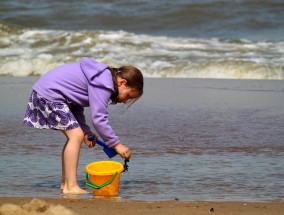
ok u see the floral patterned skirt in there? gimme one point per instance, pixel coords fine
(45, 114)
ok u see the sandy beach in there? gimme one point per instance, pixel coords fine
(102, 207)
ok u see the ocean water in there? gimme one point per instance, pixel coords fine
(194, 136)
(239, 39)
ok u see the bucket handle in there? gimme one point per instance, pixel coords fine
(98, 186)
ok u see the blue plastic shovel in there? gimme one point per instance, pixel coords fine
(110, 152)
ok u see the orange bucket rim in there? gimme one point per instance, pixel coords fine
(118, 168)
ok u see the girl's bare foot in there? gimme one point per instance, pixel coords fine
(74, 190)
(62, 186)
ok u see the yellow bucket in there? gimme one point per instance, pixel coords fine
(104, 177)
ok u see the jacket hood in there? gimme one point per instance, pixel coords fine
(96, 73)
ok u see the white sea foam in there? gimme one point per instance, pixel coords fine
(34, 52)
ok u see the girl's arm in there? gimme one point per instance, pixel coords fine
(98, 100)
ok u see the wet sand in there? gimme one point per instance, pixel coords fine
(212, 93)
(102, 207)
(203, 93)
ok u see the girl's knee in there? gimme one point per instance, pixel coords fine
(74, 135)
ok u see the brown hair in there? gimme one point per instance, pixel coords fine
(132, 75)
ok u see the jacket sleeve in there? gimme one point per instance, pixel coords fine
(78, 112)
(98, 100)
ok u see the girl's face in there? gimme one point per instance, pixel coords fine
(125, 93)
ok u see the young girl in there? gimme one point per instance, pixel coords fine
(58, 100)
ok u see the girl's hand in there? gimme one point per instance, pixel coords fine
(123, 151)
(88, 142)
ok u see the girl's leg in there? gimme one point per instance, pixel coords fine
(63, 166)
(70, 155)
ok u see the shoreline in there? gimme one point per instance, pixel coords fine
(98, 206)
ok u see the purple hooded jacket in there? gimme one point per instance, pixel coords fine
(84, 84)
